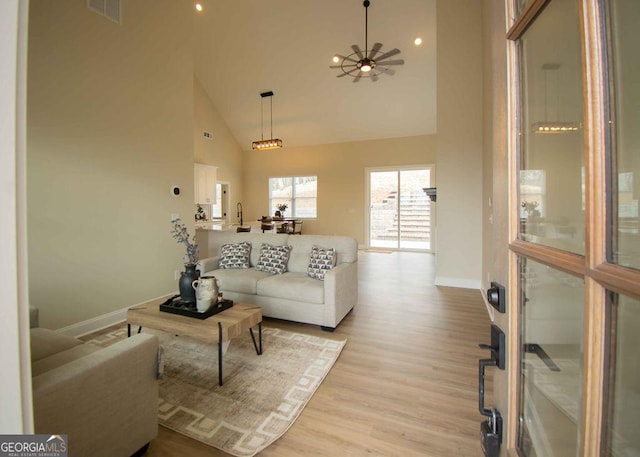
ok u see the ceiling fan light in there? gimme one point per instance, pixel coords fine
(361, 63)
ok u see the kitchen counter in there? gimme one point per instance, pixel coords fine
(215, 226)
(208, 231)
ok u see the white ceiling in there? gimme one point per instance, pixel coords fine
(245, 47)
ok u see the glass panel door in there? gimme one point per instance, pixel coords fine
(552, 165)
(625, 177)
(414, 207)
(551, 310)
(576, 293)
(400, 212)
(623, 437)
(383, 209)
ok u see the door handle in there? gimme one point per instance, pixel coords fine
(497, 348)
(482, 364)
(491, 429)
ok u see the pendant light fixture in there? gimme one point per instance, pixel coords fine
(552, 126)
(272, 143)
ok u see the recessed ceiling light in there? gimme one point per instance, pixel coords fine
(199, 6)
(336, 59)
(417, 41)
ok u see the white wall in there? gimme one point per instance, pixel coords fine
(459, 143)
(222, 150)
(340, 168)
(110, 130)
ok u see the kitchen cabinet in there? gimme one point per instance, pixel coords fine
(204, 187)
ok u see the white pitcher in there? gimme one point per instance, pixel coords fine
(206, 288)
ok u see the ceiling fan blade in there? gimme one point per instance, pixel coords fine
(347, 73)
(393, 52)
(392, 62)
(357, 78)
(374, 78)
(358, 52)
(390, 71)
(374, 50)
(342, 66)
(341, 57)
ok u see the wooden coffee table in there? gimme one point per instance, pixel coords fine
(218, 329)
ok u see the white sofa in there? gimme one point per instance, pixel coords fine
(292, 295)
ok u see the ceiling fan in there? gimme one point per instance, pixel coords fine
(368, 63)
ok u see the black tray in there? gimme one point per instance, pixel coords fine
(175, 305)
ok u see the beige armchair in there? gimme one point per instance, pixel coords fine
(104, 399)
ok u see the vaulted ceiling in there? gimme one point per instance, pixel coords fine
(245, 47)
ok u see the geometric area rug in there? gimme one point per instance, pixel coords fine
(261, 397)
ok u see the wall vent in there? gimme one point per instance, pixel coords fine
(107, 8)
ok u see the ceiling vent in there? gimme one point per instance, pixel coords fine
(107, 8)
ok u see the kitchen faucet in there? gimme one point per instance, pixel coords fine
(239, 210)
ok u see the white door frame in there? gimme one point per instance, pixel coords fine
(15, 378)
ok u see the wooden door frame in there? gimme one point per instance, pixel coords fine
(599, 275)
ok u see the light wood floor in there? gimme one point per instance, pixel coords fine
(406, 384)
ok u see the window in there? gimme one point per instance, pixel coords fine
(299, 193)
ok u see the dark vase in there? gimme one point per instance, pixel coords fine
(190, 274)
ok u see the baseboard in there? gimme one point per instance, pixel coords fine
(100, 322)
(458, 282)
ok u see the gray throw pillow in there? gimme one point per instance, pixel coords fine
(273, 259)
(320, 261)
(235, 255)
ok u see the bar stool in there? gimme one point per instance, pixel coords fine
(297, 228)
(264, 226)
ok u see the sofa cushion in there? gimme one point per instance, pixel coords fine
(45, 342)
(320, 261)
(238, 280)
(273, 259)
(255, 238)
(62, 358)
(235, 255)
(346, 250)
(292, 286)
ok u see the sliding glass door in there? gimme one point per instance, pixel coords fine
(400, 212)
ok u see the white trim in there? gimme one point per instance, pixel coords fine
(15, 377)
(458, 282)
(100, 322)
